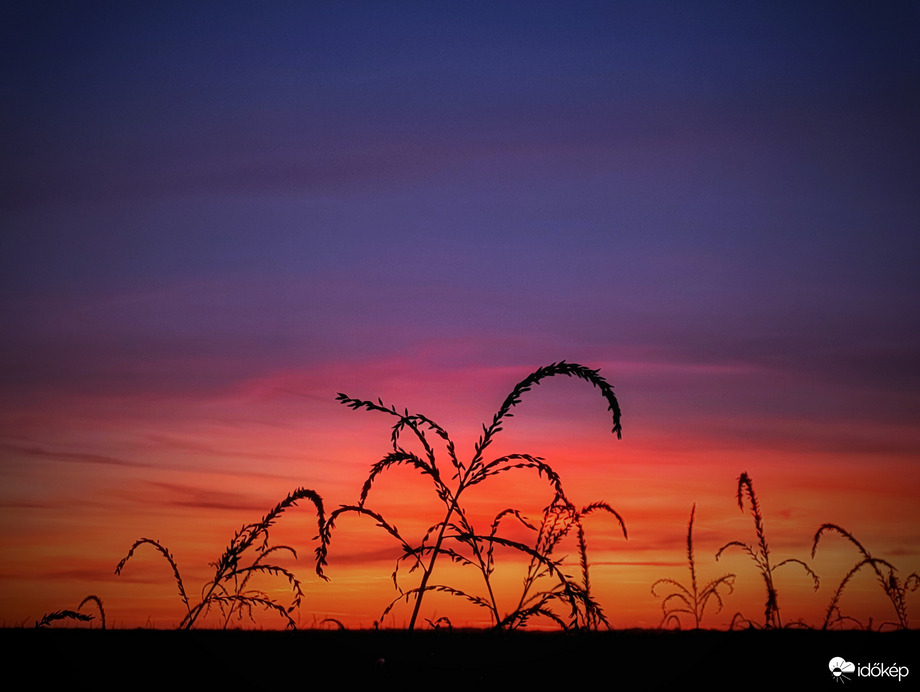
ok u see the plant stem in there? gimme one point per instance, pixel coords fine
(452, 507)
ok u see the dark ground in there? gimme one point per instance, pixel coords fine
(624, 659)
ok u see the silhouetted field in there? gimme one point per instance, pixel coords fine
(754, 652)
(625, 659)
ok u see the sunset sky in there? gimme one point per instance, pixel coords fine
(216, 216)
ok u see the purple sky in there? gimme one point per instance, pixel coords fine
(278, 186)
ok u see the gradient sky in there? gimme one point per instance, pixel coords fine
(217, 215)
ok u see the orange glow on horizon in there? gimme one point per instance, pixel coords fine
(191, 480)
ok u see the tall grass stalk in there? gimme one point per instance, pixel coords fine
(761, 555)
(693, 600)
(48, 618)
(560, 519)
(894, 588)
(454, 536)
(228, 590)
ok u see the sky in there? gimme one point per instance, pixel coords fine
(217, 216)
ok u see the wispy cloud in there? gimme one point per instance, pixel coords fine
(35, 451)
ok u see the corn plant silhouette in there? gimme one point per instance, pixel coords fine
(454, 536)
(693, 600)
(761, 556)
(229, 590)
(894, 588)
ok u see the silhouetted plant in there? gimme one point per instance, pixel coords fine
(691, 601)
(894, 588)
(761, 556)
(455, 538)
(229, 589)
(559, 518)
(48, 618)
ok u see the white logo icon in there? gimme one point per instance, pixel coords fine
(839, 666)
